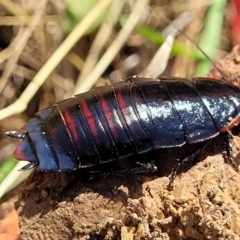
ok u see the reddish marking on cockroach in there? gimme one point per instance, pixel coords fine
(88, 114)
(72, 125)
(108, 113)
(121, 102)
(123, 106)
(90, 118)
(126, 110)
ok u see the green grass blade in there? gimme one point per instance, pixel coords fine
(211, 35)
(6, 167)
(177, 48)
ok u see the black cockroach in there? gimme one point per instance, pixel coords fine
(126, 118)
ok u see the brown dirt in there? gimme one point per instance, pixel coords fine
(9, 229)
(204, 204)
(229, 66)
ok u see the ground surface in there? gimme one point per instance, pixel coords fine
(204, 203)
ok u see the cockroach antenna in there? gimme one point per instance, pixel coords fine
(224, 77)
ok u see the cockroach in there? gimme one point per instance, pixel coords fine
(129, 117)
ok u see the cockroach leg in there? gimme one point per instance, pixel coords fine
(185, 162)
(142, 168)
(229, 152)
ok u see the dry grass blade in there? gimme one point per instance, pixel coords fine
(100, 40)
(160, 59)
(26, 20)
(137, 11)
(13, 8)
(21, 103)
(21, 43)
